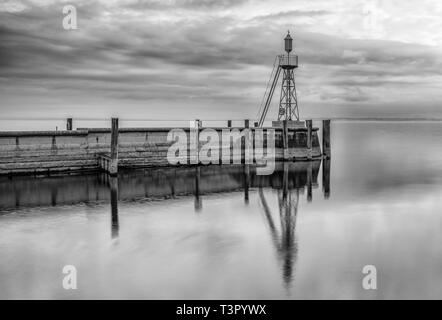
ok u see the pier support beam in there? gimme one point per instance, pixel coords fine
(69, 124)
(326, 149)
(309, 124)
(113, 166)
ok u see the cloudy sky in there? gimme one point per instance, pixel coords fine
(186, 59)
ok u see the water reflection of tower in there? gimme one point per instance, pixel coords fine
(288, 210)
(291, 184)
(284, 238)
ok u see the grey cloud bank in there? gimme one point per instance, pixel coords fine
(208, 59)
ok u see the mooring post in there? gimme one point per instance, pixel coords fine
(195, 142)
(285, 139)
(247, 123)
(199, 124)
(113, 166)
(256, 125)
(309, 124)
(326, 149)
(229, 123)
(69, 124)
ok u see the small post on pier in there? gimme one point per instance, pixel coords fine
(229, 123)
(194, 141)
(256, 124)
(326, 149)
(69, 124)
(285, 139)
(113, 166)
(198, 125)
(247, 123)
(309, 124)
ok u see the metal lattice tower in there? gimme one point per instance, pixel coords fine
(288, 102)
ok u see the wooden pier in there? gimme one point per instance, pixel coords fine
(107, 149)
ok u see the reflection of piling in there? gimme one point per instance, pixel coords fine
(113, 182)
(326, 177)
(285, 139)
(309, 182)
(309, 124)
(113, 167)
(285, 181)
(246, 183)
(326, 149)
(69, 124)
(198, 203)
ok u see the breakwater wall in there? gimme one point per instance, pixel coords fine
(49, 152)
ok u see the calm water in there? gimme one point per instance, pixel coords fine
(223, 232)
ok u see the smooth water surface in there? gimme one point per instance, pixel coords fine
(221, 232)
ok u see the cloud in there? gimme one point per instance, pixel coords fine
(208, 54)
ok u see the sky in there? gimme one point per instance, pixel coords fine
(188, 59)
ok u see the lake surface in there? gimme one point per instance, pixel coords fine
(222, 232)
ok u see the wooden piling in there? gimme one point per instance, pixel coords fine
(247, 143)
(113, 166)
(69, 124)
(309, 124)
(326, 148)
